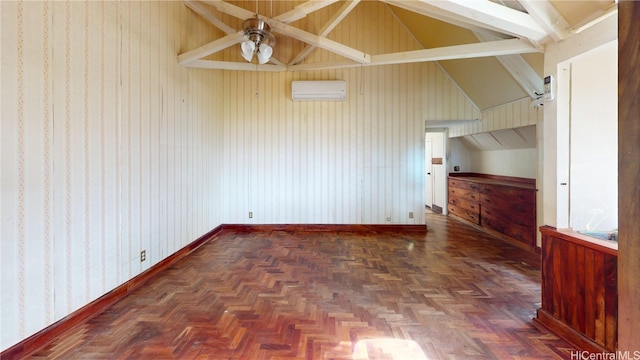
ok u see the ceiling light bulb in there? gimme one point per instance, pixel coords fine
(247, 49)
(264, 53)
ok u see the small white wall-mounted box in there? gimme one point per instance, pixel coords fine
(549, 92)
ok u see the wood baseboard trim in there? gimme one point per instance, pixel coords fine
(42, 338)
(328, 227)
(564, 331)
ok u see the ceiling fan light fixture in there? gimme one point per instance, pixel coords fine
(258, 39)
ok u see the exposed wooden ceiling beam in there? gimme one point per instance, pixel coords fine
(432, 12)
(321, 42)
(303, 10)
(230, 9)
(326, 29)
(484, 49)
(216, 45)
(209, 16)
(294, 32)
(491, 48)
(297, 13)
(273, 60)
(210, 48)
(594, 19)
(326, 65)
(494, 15)
(523, 74)
(232, 65)
(528, 79)
(338, 17)
(477, 16)
(355, 57)
(548, 17)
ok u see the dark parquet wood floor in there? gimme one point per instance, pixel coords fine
(454, 293)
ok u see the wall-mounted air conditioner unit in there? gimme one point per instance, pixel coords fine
(333, 90)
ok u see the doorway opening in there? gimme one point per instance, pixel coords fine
(435, 169)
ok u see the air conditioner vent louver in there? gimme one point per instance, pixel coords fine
(331, 90)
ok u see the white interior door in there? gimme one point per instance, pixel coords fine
(428, 150)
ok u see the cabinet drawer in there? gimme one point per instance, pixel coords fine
(496, 192)
(525, 234)
(517, 218)
(462, 193)
(465, 204)
(522, 213)
(471, 216)
(463, 184)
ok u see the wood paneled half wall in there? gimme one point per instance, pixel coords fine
(579, 289)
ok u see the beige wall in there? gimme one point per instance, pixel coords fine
(108, 148)
(359, 161)
(512, 162)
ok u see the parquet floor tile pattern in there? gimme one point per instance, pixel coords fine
(452, 293)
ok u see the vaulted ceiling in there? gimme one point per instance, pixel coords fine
(493, 50)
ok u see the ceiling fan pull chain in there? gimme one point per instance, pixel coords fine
(257, 83)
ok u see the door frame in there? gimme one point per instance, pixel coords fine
(440, 190)
(428, 151)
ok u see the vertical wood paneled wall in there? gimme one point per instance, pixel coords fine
(109, 147)
(512, 115)
(579, 290)
(359, 161)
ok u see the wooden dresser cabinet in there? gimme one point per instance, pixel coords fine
(504, 206)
